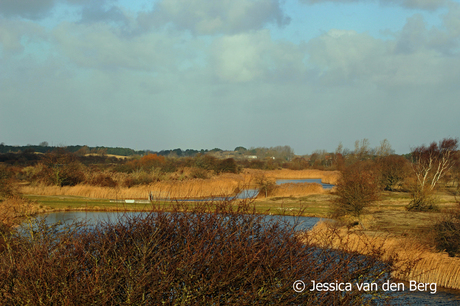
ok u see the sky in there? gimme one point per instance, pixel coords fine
(204, 74)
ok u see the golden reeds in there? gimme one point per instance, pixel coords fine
(196, 188)
(414, 262)
(13, 209)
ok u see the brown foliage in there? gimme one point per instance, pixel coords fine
(356, 189)
(212, 255)
(393, 170)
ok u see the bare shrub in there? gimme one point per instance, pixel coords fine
(213, 254)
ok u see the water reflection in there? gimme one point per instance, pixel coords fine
(325, 186)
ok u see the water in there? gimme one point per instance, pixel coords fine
(93, 217)
(441, 297)
(325, 186)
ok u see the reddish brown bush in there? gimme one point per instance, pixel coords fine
(357, 188)
(215, 254)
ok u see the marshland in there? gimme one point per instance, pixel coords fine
(401, 212)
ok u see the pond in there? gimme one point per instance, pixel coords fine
(441, 297)
(92, 217)
(319, 181)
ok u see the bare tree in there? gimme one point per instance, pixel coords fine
(384, 149)
(430, 164)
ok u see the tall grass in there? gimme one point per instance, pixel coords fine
(196, 188)
(14, 209)
(413, 261)
(328, 177)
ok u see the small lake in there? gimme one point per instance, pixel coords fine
(92, 217)
(318, 181)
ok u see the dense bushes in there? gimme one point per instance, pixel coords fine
(214, 254)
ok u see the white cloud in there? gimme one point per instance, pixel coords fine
(212, 17)
(255, 56)
(411, 59)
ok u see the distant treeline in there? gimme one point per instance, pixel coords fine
(100, 150)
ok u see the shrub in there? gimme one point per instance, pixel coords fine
(103, 180)
(226, 166)
(447, 233)
(357, 188)
(7, 187)
(393, 170)
(213, 254)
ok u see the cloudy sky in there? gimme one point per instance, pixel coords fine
(200, 74)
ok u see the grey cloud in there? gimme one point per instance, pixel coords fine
(38, 9)
(413, 35)
(13, 31)
(411, 4)
(212, 17)
(99, 46)
(30, 9)
(96, 13)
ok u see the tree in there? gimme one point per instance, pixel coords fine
(384, 149)
(393, 170)
(356, 190)
(430, 164)
(265, 184)
(43, 144)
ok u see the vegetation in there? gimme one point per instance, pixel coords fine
(214, 254)
(430, 164)
(381, 191)
(356, 190)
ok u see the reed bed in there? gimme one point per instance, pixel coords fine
(328, 177)
(296, 189)
(413, 261)
(14, 209)
(196, 188)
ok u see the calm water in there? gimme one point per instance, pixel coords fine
(325, 186)
(441, 297)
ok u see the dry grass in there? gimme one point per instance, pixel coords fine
(328, 177)
(14, 209)
(415, 262)
(196, 188)
(222, 185)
